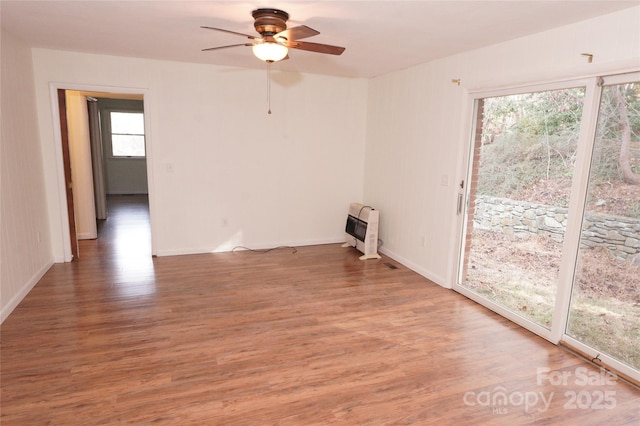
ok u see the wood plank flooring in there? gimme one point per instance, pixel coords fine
(309, 337)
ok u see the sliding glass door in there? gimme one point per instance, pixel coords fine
(605, 303)
(551, 229)
(524, 152)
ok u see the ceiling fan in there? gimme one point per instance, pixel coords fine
(275, 38)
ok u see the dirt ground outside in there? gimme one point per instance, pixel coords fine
(521, 274)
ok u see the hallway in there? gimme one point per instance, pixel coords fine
(127, 224)
(124, 244)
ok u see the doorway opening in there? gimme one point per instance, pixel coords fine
(104, 137)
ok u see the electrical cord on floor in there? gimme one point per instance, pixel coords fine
(263, 251)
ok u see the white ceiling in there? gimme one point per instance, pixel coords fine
(379, 36)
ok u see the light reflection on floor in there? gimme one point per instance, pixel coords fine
(128, 234)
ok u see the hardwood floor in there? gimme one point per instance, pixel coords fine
(293, 338)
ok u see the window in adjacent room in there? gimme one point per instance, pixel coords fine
(127, 134)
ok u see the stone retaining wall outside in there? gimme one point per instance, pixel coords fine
(619, 234)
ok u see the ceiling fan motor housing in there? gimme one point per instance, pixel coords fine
(270, 21)
(275, 38)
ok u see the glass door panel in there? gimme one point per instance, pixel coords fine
(605, 304)
(524, 153)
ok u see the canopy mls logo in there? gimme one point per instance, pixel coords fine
(499, 400)
(593, 395)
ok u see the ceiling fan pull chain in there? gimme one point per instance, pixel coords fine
(269, 86)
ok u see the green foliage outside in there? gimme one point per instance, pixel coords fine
(527, 138)
(531, 140)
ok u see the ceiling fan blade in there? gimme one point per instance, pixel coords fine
(230, 32)
(225, 47)
(315, 47)
(296, 33)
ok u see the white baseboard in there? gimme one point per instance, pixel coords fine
(221, 249)
(15, 300)
(87, 235)
(227, 248)
(129, 193)
(414, 267)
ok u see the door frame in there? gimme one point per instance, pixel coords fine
(60, 168)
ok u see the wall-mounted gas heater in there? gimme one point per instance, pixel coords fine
(362, 230)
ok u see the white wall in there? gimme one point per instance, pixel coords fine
(418, 124)
(25, 250)
(222, 171)
(81, 171)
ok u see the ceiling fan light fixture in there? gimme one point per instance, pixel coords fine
(270, 51)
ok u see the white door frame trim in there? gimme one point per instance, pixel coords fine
(65, 250)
